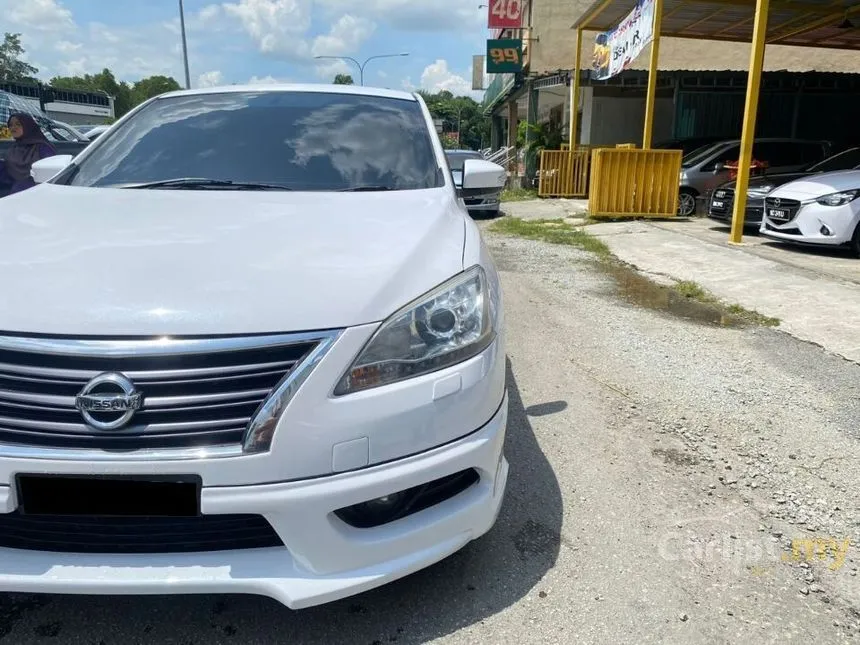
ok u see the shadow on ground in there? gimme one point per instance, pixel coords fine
(483, 579)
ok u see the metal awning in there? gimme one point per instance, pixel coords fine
(806, 23)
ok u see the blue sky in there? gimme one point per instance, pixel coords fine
(241, 41)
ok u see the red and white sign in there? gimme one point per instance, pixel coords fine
(505, 14)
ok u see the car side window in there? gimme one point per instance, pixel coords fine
(728, 155)
(779, 154)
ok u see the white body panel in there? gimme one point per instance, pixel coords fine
(817, 223)
(115, 263)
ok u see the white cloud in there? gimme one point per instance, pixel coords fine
(210, 79)
(437, 77)
(265, 80)
(345, 36)
(278, 27)
(328, 69)
(38, 15)
(439, 15)
(67, 47)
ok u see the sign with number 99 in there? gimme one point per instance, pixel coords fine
(504, 56)
(505, 14)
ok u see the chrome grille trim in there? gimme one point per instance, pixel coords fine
(233, 415)
(151, 347)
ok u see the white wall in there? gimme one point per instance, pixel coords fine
(607, 120)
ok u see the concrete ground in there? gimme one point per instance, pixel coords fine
(814, 292)
(662, 469)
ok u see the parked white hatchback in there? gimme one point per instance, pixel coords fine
(251, 343)
(819, 210)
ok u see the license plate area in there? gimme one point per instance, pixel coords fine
(113, 496)
(778, 214)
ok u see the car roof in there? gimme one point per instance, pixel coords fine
(462, 152)
(772, 140)
(297, 87)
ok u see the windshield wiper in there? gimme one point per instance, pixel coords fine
(201, 182)
(361, 189)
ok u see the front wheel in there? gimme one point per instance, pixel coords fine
(686, 202)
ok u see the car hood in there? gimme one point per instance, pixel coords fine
(821, 184)
(773, 180)
(102, 261)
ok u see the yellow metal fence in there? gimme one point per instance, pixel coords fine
(564, 173)
(627, 181)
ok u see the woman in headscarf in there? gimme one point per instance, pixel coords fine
(30, 146)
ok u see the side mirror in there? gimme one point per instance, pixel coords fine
(49, 167)
(479, 173)
(719, 167)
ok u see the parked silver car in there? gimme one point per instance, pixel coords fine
(703, 170)
(484, 200)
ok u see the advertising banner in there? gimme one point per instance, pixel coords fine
(615, 50)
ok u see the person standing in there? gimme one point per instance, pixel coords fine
(30, 146)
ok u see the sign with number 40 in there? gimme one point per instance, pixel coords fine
(505, 14)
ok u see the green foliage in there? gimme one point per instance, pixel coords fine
(126, 96)
(518, 194)
(147, 88)
(535, 137)
(12, 68)
(449, 142)
(474, 127)
(552, 231)
(343, 79)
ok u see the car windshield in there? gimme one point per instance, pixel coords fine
(846, 160)
(316, 141)
(457, 159)
(699, 154)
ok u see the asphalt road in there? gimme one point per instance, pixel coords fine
(659, 469)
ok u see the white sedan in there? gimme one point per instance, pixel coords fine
(820, 210)
(252, 343)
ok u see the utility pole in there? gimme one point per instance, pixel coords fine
(184, 46)
(361, 66)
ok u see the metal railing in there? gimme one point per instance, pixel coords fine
(564, 173)
(627, 182)
(503, 156)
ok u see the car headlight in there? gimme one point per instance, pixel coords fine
(448, 325)
(760, 191)
(839, 199)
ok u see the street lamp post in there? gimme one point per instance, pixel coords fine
(184, 46)
(361, 66)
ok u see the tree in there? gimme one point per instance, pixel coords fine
(146, 88)
(343, 79)
(125, 96)
(105, 82)
(459, 113)
(12, 68)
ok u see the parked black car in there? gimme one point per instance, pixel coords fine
(723, 198)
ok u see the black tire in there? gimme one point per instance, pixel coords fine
(686, 202)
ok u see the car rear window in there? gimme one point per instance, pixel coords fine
(296, 140)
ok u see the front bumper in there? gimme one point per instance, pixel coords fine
(815, 224)
(323, 559)
(721, 209)
(483, 202)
